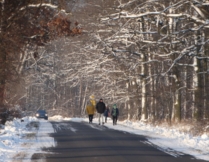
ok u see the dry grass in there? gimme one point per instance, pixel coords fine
(19, 157)
(190, 127)
(33, 125)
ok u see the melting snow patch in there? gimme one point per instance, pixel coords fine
(20, 140)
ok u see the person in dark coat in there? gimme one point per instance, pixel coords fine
(106, 113)
(100, 110)
(115, 113)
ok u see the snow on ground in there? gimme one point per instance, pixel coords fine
(20, 140)
(169, 140)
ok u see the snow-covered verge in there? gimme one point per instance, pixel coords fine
(19, 140)
(170, 140)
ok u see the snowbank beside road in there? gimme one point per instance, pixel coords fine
(20, 140)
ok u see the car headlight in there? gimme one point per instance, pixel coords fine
(37, 114)
(46, 114)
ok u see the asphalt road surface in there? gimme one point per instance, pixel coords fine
(84, 142)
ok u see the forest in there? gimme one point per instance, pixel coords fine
(150, 57)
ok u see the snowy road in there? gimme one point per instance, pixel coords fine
(77, 142)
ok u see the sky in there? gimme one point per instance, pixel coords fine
(20, 140)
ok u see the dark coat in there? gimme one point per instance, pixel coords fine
(100, 107)
(106, 113)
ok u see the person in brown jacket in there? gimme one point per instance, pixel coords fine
(90, 109)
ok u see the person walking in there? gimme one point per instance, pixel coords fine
(90, 109)
(100, 109)
(106, 113)
(115, 113)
